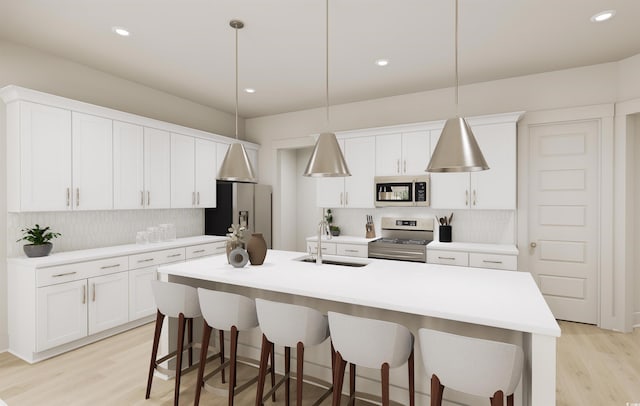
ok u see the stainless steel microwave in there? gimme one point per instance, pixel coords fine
(402, 191)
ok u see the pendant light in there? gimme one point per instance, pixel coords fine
(327, 159)
(236, 166)
(457, 149)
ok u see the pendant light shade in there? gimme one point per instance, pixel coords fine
(457, 149)
(327, 159)
(236, 166)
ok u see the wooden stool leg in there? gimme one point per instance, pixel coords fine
(190, 339)
(154, 351)
(262, 372)
(436, 391)
(287, 372)
(338, 378)
(179, 346)
(497, 399)
(206, 336)
(273, 370)
(510, 400)
(299, 372)
(352, 384)
(385, 384)
(221, 336)
(412, 384)
(232, 358)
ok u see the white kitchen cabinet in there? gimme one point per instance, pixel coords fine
(355, 191)
(61, 314)
(92, 152)
(333, 248)
(494, 188)
(493, 261)
(128, 166)
(204, 250)
(38, 157)
(402, 153)
(205, 173)
(329, 248)
(108, 301)
(157, 169)
(141, 302)
(477, 255)
(183, 162)
(447, 257)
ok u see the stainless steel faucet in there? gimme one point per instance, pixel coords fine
(323, 227)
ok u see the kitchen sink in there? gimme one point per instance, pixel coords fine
(327, 261)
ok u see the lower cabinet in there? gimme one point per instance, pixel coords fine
(108, 301)
(473, 259)
(332, 248)
(141, 302)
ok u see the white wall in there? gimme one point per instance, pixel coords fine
(305, 199)
(45, 72)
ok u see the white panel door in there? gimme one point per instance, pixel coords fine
(359, 187)
(183, 186)
(157, 168)
(221, 152)
(495, 188)
(448, 190)
(416, 152)
(45, 158)
(128, 166)
(108, 301)
(141, 302)
(61, 314)
(92, 141)
(563, 217)
(205, 173)
(388, 154)
(330, 191)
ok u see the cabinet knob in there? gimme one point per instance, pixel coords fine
(533, 245)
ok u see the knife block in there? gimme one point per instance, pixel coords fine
(370, 231)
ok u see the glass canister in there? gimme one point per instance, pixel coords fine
(154, 234)
(168, 232)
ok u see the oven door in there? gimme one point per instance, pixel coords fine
(396, 252)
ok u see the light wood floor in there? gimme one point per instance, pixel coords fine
(595, 367)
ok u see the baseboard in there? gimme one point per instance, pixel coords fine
(636, 320)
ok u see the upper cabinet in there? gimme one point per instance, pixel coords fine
(492, 189)
(65, 155)
(404, 153)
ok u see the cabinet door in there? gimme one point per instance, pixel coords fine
(92, 143)
(108, 301)
(128, 166)
(205, 173)
(416, 152)
(61, 314)
(330, 191)
(495, 188)
(45, 158)
(182, 171)
(449, 190)
(359, 187)
(388, 154)
(141, 303)
(157, 168)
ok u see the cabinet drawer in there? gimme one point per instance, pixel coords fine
(204, 250)
(156, 258)
(447, 257)
(80, 270)
(494, 261)
(328, 248)
(352, 250)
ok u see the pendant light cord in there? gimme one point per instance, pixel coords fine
(327, 61)
(456, 60)
(236, 29)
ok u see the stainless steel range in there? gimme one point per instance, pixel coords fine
(403, 239)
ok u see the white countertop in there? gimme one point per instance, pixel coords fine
(344, 239)
(504, 299)
(502, 249)
(68, 257)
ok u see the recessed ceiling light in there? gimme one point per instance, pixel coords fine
(382, 62)
(250, 90)
(603, 16)
(123, 32)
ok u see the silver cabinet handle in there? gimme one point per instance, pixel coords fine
(491, 262)
(110, 266)
(474, 197)
(533, 245)
(346, 198)
(142, 198)
(94, 292)
(63, 274)
(198, 194)
(84, 294)
(405, 166)
(220, 248)
(350, 250)
(174, 255)
(466, 197)
(148, 198)
(68, 197)
(198, 251)
(145, 260)
(193, 198)
(77, 197)
(398, 165)
(449, 258)
(340, 198)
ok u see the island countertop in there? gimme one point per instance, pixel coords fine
(503, 299)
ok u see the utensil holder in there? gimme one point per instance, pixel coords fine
(445, 233)
(370, 231)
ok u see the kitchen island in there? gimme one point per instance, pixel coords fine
(499, 305)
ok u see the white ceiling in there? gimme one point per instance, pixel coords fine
(186, 47)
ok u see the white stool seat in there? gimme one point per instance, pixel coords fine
(222, 310)
(287, 324)
(471, 365)
(174, 298)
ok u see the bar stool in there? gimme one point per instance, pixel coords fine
(478, 367)
(289, 326)
(181, 302)
(372, 344)
(226, 312)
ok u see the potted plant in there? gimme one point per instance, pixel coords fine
(39, 241)
(335, 230)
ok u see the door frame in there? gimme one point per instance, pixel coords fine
(609, 285)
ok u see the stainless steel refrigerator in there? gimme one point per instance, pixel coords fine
(247, 204)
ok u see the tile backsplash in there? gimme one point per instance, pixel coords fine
(93, 229)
